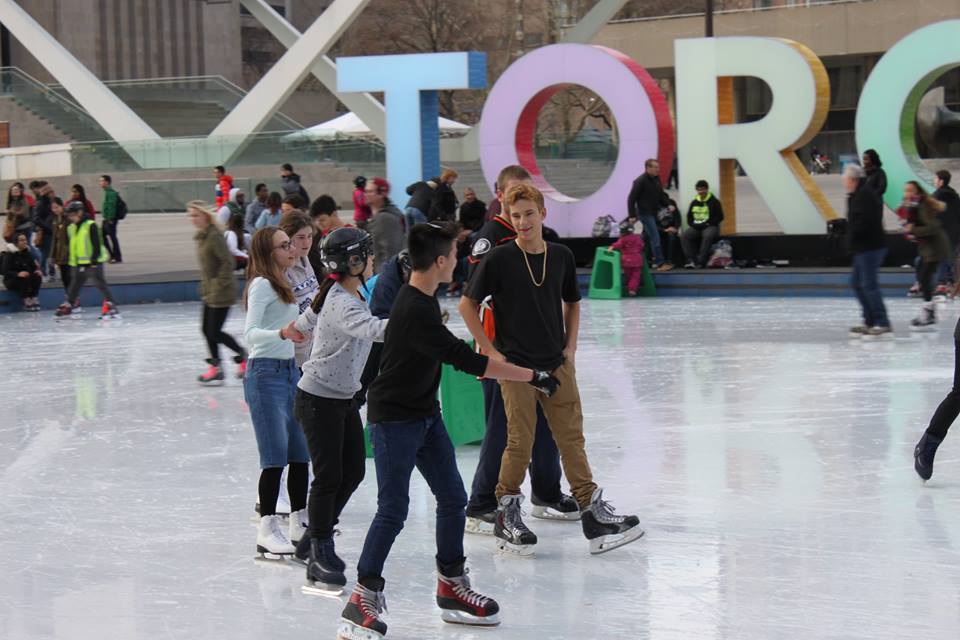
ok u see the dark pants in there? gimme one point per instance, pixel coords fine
(335, 439)
(672, 251)
(27, 287)
(697, 243)
(79, 276)
(651, 234)
(46, 244)
(110, 240)
(213, 319)
(949, 408)
(66, 276)
(544, 464)
(865, 283)
(926, 277)
(398, 447)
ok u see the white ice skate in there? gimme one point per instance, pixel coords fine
(298, 525)
(272, 543)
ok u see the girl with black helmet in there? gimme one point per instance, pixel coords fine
(325, 406)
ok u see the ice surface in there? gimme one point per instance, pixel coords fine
(768, 457)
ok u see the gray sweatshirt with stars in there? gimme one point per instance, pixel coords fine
(345, 330)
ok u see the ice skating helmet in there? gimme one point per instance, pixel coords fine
(344, 249)
(626, 227)
(406, 264)
(76, 205)
(359, 182)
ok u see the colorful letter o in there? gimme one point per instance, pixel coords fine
(509, 122)
(887, 110)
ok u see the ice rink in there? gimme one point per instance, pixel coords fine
(768, 457)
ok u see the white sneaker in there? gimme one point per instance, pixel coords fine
(272, 542)
(299, 523)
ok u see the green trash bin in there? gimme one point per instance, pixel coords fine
(461, 400)
(605, 278)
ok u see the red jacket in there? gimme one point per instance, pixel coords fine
(631, 250)
(224, 184)
(361, 212)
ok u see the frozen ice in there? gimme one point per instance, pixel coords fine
(768, 457)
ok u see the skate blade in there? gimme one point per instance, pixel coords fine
(271, 560)
(350, 631)
(212, 383)
(611, 542)
(462, 617)
(479, 527)
(515, 550)
(322, 590)
(549, 513)
(926, 329)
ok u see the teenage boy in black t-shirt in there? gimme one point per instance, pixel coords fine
(549, 502)
(537, 314)
(407, 431)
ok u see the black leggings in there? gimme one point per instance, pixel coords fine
(269, 488)
(335, 438)
(213, 319)
(926, 276)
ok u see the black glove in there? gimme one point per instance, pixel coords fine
(544, 382)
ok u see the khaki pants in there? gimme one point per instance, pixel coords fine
(565, 418)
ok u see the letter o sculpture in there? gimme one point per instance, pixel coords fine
(509, 122)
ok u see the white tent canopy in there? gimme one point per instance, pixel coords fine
(350, 125)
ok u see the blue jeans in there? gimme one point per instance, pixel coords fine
(864, 280)
(544, 463)
(398, 447)
(652, 234)
(412, 216)
(269, 387)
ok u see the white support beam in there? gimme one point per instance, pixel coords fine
(282, 79)
(116, 118)
(364, 105)
(582, 33)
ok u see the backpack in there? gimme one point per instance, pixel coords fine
(121, 208)
(602, 226)
(721, 256)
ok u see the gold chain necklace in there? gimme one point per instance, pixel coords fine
(543, 276)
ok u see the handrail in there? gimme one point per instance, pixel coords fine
(807, 4)
(47, 90)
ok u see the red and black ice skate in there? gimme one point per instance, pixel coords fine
(460, 604)
(360, 619)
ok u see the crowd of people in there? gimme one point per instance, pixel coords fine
(339, 314)
(45, 238)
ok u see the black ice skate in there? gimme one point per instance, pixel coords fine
(360, 619)
(923, 455)
(927, 319)
(512, 536)
(323, 578)
(459, 604)
(480, 522)
(566, 509)
(605, 529)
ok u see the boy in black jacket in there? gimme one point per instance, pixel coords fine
(407, 431)
(703, 227)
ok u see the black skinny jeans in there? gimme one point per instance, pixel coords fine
(213, 319)
(335, 439)
(949, 408)
(926, 276)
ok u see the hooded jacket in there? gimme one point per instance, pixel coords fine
(218, 288)
(709, 205)
(222, 190)
(421, 195)
(950, 217)
(386, 227)
(291, 186)
(865, 219)
(230, 208)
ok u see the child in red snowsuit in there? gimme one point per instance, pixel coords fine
(630, 247)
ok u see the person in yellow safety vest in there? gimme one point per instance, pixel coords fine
(703, 227)
(87, 255)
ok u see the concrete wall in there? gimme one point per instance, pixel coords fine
(854, 28)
